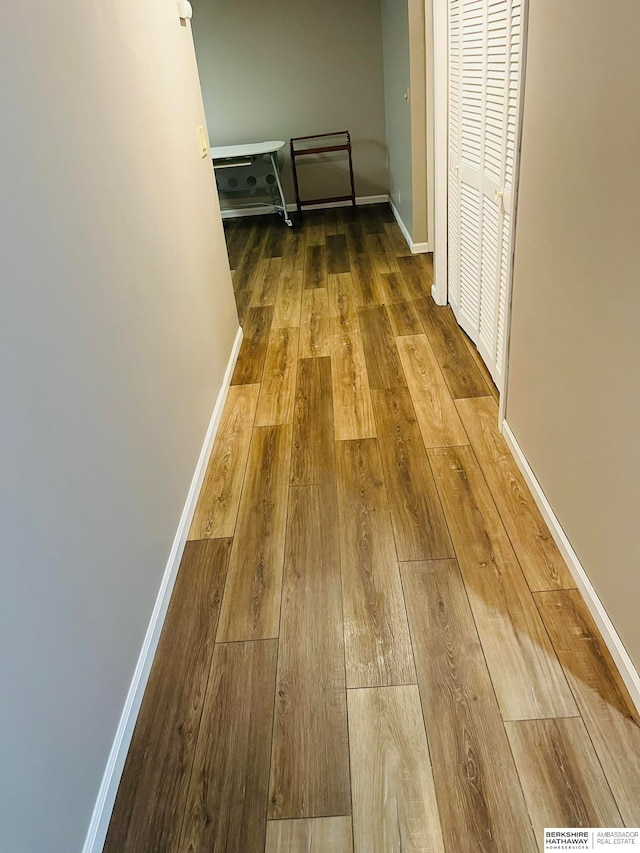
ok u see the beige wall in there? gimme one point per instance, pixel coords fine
(418, 103)
(395, 33)
(292, 68)
(574, 377)
(116, 323)
(403, 31)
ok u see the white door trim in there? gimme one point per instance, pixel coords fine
(430, 136)
(502, 408)
(439, 291)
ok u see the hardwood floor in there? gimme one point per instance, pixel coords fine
(481, 804)
(310, 757)
(394, 798)
(538, 554)
(251, 602)
(316, 835)
(561, 775)
(153, 792)
(217, 509)
(377, 646)
(611, 720)
(227, 794)
(525, 671)
(438, 418)
(419, 524)
(373, 644)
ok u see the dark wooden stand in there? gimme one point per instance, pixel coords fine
(302, 150)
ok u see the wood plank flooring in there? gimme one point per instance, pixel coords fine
(251, 602)
(611, 720)
(315, 835)
(226, 801)
(419, 525)
(526, 674)
(561, 775)
(217, 508)
(481, 803)
(540, 559)
(310, 759)
(373, 644)
(152, 797)
(377, 646)
(394, 798)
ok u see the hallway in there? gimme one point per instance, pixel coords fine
(373, 643)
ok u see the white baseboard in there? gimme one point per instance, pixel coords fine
(435, 295)
(237, 213)
(620, 655)
(416, 248)
(99, 824)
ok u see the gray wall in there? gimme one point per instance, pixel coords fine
(574, 376)
(403, 31)
(116, 323)
(273, 70)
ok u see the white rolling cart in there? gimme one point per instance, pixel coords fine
(248, 177)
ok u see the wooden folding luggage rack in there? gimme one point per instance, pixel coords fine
(302, 151)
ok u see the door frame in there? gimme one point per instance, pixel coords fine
(502, 409)
(438, 11)
(440, 84)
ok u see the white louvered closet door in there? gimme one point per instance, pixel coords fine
(485, 48)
